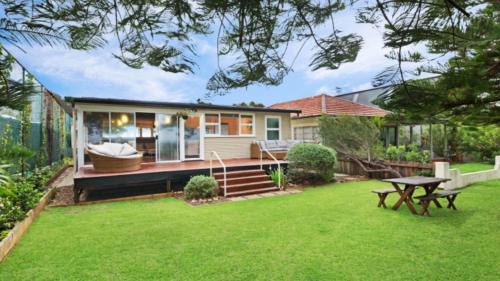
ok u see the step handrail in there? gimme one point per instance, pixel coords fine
(212, 153)
(275, 160)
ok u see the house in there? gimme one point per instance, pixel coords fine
(175, 138)
(306, 125)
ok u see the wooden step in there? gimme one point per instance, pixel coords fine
(240, 180)
(252, 191)
(239, 174)
(247, 186)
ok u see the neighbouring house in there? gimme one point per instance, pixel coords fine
(306, 125)
(174, 138)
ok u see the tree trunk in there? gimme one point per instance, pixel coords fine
(381, 167)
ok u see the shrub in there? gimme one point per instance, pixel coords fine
(9, 214)
(311, 162)
(200, 187)
(40, 177)
(415, 154)
(395, 153)
(481, 142)
(279, 172)
(26, 196)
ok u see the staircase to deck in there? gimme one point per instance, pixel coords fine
(245, 182)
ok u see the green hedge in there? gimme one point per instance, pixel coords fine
(311, 162)
(201, 187)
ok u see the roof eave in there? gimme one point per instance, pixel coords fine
(74, 100)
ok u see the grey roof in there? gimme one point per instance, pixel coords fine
(74, 100)
(365, 97)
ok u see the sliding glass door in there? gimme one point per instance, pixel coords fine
(167, 137)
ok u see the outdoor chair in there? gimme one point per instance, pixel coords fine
(278, 148)
(114, 158)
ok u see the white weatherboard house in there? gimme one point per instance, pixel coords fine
(175, 132)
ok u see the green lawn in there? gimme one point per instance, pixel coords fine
(333, 232)
(472, 167)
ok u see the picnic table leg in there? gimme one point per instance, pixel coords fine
(451, 200)
(381, 202)
(405, 197)
(401, 199)
(429, 189)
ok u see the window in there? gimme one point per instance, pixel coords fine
(246, 125)
(115, 127)
(273, 126)
(310, 133)
(96, 126)
(123, 128)
(212, 124)
(229, 125)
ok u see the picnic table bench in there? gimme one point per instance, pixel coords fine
(430, 184)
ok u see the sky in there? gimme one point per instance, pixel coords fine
(97, 73)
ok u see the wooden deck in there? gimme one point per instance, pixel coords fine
(86, 178)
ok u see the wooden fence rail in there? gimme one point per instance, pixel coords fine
(406, 169)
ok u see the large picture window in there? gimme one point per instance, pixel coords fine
(96, 126)
(229, 124)
(117, 127)
(122, 128)
(273, 128)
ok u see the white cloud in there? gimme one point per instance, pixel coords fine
(99, 74)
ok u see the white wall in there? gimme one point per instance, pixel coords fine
(458, 180)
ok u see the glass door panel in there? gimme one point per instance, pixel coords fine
(192, 137)
(168, 137)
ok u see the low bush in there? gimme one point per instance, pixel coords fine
(278, 175)
(201, 187)
(395, 153)
(26, 196)
(9, 214)
(311, 162)
(411, 153)
(41, 176)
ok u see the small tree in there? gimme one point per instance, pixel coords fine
(357, 138)
(351, 135)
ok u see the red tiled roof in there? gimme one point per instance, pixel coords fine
(326, 104)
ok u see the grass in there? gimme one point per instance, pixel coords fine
(334, 232)
(472, 167)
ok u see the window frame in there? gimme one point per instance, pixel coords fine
(315, 131)
(273, 129)
(246, 124)
(212, 124)
(219, 132)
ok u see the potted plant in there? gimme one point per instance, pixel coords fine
(184, 114)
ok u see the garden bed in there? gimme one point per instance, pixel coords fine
(10, 240)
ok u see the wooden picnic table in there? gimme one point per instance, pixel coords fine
(430, 184)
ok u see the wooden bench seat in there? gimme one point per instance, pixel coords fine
(426, 199)
(382, 194)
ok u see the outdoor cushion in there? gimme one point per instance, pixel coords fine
(127, 150)
(112, 149)
(99, 148)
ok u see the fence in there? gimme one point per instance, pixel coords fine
(458, 180)
(406, 169)
(44, 126)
